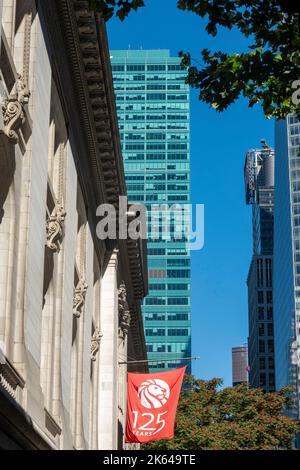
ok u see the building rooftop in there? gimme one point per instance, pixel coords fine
(140, 54)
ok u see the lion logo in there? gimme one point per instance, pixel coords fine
(154, 393)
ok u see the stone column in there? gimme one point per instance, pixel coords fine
(108, 366)
(79, 438)
(1, 13)
(124, 324)
(8, 13)
(122, 398)
(1, 86)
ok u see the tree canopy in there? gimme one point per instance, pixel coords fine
(120, 8)
(238, 418)
(265, 73)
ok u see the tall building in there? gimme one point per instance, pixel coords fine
(287, 257)
(240, 365)
(259, 182)
(153, 110)
(70, 303)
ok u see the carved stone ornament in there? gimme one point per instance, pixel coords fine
(55, 228)
(79, 297)
(13, 109)
(96, 338)
(124, 314)
(125, 322)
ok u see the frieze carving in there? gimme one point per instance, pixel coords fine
(13, 109)
(95, 346)
(124, 314)
(79, 297)
(55, 228)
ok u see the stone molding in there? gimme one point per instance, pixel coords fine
(137, 250)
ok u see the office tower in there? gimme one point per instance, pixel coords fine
(287, 257)
(259, 183)
(239, 365)
(153, 111)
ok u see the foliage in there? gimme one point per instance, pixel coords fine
(238, 418)
(264, 73)
(120, 8)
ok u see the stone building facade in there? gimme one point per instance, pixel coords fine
(70, 311)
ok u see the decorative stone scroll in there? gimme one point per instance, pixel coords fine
(124, 314)
(95, 346)
(13, 109)
(55, 228)
(79, 297)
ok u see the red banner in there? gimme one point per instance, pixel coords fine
(151, 405)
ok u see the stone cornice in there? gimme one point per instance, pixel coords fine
(18, 423)
(87, 38)
(137, 343)
(70, 25)
(107, 72)
(133, 256)
(133, 260)
(10, 379)
(136, 250)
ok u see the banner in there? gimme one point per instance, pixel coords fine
(151, 405)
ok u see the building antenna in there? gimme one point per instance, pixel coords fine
(264, 144)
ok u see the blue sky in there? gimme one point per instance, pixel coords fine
(218, 146)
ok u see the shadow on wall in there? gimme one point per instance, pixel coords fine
(120, 436)
(7, 171)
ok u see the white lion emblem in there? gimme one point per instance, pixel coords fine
(154, 393)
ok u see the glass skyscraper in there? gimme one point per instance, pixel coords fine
(153, 111)
(287, 257)
(259, 181)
